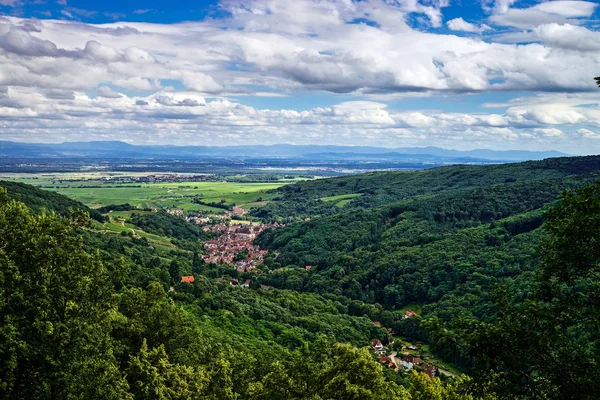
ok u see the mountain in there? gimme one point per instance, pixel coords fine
(116, 149)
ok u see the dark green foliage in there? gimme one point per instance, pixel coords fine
(116, 207)
(74, 325)
(55, 312)
(163, 224)
(39, 200)
(551, 339)
(378, 188)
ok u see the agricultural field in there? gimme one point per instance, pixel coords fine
(101, 189)
(341, 200)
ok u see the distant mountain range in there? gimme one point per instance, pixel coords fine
(116, 149)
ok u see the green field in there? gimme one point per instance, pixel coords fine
(341, 197)
(177, 195)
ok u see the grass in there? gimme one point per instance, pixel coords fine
(411, 307)
(342, 203)
(341, 197)
(148, 195)
(116, 225)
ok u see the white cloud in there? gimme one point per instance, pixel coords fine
(194, 74)
(137, 83)
(544, 13)
(587, 134)
(568, 36)
(548, 132)
(459, 24)
(107, 92)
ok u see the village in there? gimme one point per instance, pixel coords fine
(235, 246)
(397, 354)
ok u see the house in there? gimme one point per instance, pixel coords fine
(377, 324)
(407, 362)
(430, 370)
(308, 267)
(265, 287)
(234, 282)
(247, 283)
(410, 314)
(187, 279)
(377, 346)
(245, 233)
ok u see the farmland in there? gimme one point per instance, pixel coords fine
(97, 190)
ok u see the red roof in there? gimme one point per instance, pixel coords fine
(187, 279)
(410, 314)
(377, 324)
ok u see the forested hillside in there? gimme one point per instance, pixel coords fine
(499, 263)
(442, 248)
(41, 199)
(313, 198)
(85, 314)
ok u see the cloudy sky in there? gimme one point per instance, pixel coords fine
(461, 74)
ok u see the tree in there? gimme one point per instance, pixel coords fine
(55, 311)
(153, 376)
(552, 338)
(174, 271)
(354, 375)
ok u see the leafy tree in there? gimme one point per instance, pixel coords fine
(552, 338)
(152, 376)
(55, 311)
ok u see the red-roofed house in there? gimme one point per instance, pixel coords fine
(187, 279)
(410, 314)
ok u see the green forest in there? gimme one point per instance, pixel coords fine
(499, 262)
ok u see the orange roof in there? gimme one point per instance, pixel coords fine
(187, 279)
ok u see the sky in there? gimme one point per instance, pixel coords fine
(458, 74)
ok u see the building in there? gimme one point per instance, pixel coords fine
(187, 279)
(377, 346)
(430, 370)
(245, 233)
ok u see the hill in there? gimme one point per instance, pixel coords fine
(485, 257)
(115, 149)
(311, 198)
(38, 200)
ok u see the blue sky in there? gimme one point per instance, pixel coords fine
(463, 74)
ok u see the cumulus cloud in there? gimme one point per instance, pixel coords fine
(107, 92)
(568, 37)
(192, 75)
(459, 24)
(543, 13)
(588, 134)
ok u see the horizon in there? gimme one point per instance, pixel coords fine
(504, 75)
(295, 145)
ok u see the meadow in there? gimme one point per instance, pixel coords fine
(94, 190)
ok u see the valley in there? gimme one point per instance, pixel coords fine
(397, 265)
